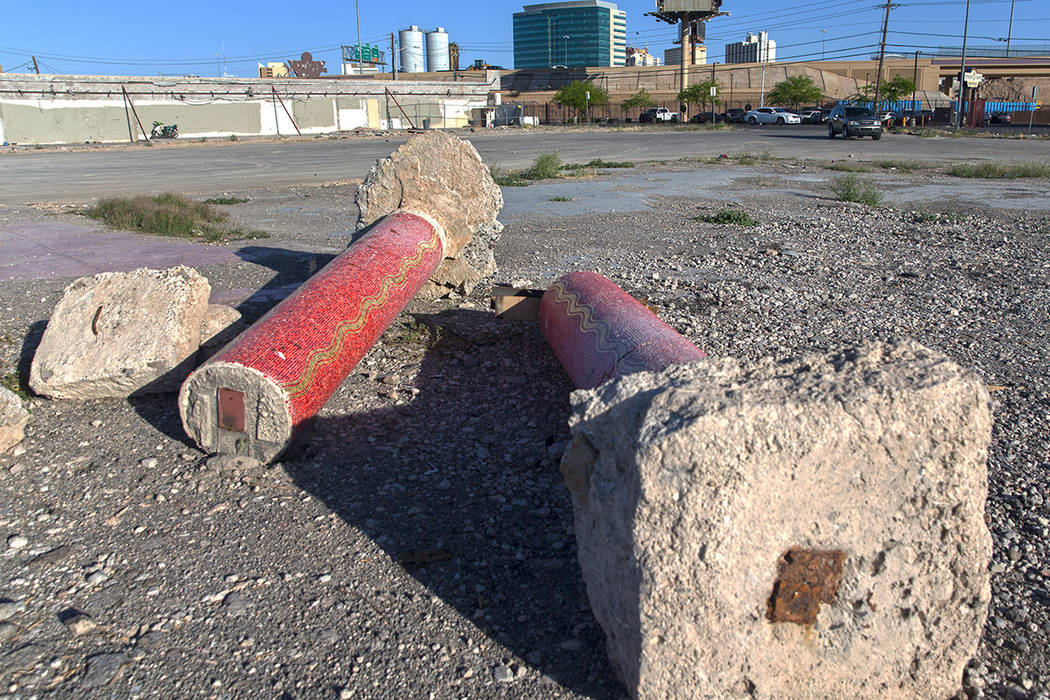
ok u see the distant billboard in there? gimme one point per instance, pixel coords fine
(666, 6)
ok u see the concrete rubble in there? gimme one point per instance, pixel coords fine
(220, 325)
(416, 177)
(809, 528)
(120, 332)
(13, 419)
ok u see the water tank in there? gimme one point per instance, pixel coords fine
(437, 50)
(411, 50)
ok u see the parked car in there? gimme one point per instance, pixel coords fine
(772, 115)
(658, 114)
(853, 121)
(735, 116)
(811, 116)
(997, 118)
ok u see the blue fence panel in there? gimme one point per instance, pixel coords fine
(912, 106)
(990, 107)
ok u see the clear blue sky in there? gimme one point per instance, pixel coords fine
(119, 37)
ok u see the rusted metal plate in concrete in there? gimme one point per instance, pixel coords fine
(47, 249)
(806, 578)
(231, 410)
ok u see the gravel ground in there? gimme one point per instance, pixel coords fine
(416, 540)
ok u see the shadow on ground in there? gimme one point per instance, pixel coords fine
(458, 487)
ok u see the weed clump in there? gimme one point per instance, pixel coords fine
(1000, 171)
(849, 188)
(599, 163)
(733, 217)
(225, 200)
(12, 381)
(167, 214)
(545, 167)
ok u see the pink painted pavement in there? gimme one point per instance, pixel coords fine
(50, 249)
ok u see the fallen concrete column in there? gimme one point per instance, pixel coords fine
(253, 396)
(599, 332)
(811, 528)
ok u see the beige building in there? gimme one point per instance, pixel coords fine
(51, 109)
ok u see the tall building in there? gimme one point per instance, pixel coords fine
(641, 57)
(574, 34)
(756, 48)
(673, 57)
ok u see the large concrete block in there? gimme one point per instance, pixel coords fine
(13, 419)
(811, 528)
(120, 332)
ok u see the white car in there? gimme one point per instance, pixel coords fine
(772, 115)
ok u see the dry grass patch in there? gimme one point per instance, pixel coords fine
(168, 214)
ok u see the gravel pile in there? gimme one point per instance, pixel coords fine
(417, 541)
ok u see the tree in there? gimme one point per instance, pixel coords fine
(639, 100)
(700, 93)
(890, 91)
(575, 95)
(794, 91)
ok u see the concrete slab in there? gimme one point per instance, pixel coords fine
(43, 250)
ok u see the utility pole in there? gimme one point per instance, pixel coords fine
(962, 69)
(393, 57)
(1010, 29)
(822, 33)
(915, 85)
(882, 54)
(713, 83)
(35, 66)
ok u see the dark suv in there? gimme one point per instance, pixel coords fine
(853, 121)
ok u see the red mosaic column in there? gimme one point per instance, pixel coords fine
(600, 332)
(253, 396)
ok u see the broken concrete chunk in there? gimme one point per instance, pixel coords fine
(121, 332)
(811, 528)
(417, 177)
(220, 325)
(13, 419)
(461, 274)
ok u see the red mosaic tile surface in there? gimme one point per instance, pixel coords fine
(311, 341)
(600, 332)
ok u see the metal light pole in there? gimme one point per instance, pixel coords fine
(822, 33)
(565, 50)
(962, 69)
(360, 64)
(762, 95)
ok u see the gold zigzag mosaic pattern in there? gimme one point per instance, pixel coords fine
(323, 356)
(589, 324)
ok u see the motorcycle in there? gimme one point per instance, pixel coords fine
(164, 131)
